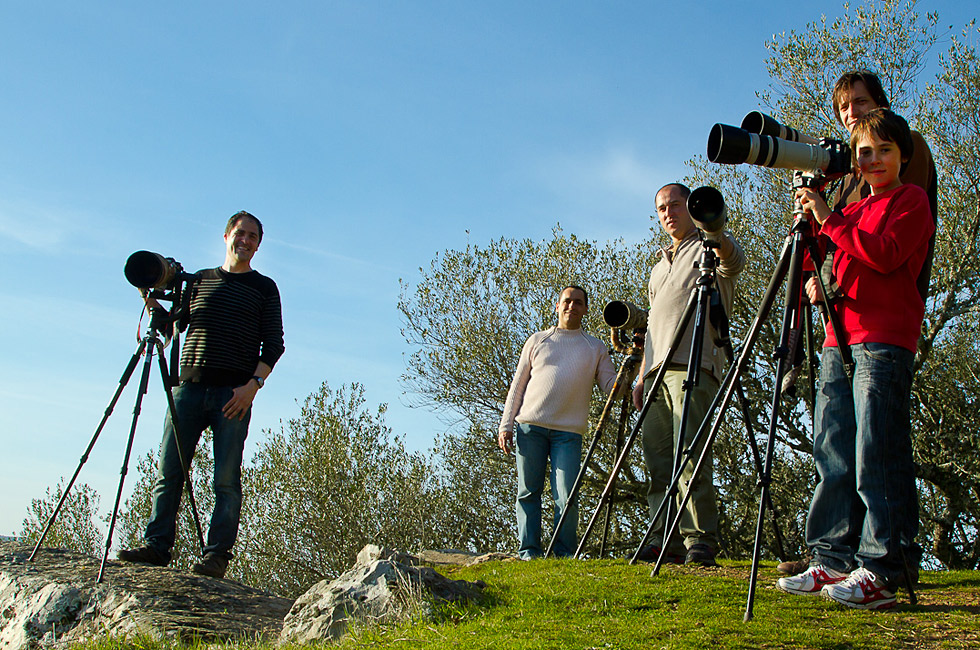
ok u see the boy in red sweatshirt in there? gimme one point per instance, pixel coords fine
(865, 506)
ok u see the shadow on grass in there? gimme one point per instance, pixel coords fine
(946, 608)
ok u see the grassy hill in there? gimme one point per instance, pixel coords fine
(609, 604)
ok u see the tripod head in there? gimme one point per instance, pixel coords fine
(169, 323)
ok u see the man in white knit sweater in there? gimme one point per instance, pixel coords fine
(548, 409)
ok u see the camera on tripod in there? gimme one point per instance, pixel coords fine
(762, 140)
(622, 315)
(148, 270)
(707, 208)
(159, 277)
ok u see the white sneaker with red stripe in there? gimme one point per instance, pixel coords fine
(811, 581)
(860, 590)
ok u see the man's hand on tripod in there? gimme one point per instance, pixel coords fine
(505, 440)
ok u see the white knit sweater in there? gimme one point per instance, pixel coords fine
(553, 382)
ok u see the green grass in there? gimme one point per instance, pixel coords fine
(608, 604)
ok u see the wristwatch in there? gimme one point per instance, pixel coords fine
(259, 380)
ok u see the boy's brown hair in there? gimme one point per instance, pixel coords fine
(887, 126)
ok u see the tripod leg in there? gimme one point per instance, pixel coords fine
(123, 380)
(625, 371)
(635, 431)
(754, 447)
(623, 412)
(184, 463)
(607, 491)
(907, 572)
(144, 381)
(791, 320)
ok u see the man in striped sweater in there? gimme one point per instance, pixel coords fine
(548, 408)
(234, 338)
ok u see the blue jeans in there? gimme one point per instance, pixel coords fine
(198, 407)
(534, 446)
(865, 506)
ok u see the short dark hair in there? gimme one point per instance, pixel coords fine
(577, 288)
(685, 190)
(870, 81)
(887, 126)
(238, 216)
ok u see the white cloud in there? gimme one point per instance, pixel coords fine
(617, 173)
(35, 227)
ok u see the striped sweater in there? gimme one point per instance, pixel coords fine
(235, 322)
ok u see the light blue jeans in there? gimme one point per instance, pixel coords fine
(198, 407)
(865, 506)
(535, 445)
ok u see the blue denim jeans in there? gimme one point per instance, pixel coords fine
(198, 407)
(534, 446)
(865, 506)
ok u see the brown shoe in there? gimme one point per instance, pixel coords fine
(793, 567)
(213, 565)
(701, 554)
(144, 555)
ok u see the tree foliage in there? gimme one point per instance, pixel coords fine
(75, 526)
(331, 481)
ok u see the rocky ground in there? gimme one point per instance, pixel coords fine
(55, 598)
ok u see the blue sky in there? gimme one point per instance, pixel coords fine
(368, 136)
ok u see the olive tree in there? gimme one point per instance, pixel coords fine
(75, 526)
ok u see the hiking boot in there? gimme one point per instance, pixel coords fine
(860, 590)
(652, 554)
(213, 565)
(811, 581)
(793, 567)
(144, 555)
(701, 554)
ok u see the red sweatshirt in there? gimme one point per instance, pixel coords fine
(882, 243)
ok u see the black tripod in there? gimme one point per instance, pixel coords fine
(151, 342)
(703, 295)
(624, 379)
(790, 263)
